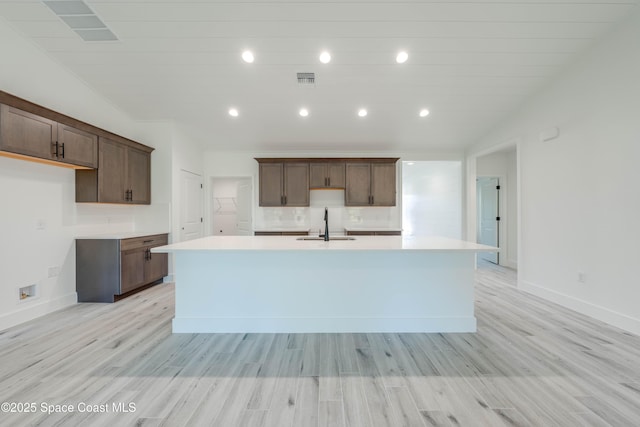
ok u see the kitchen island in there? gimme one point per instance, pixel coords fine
(231, 284)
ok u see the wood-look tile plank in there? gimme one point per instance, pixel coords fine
(330, 414)
(531, 362)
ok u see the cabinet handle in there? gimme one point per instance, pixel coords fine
(285, 200)
(54, 149)
(329, 182)
(147, 241)
(131, 195)
(62, 147)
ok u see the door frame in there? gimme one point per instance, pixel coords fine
(471, 194)
(211, 214)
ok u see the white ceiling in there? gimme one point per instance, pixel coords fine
(471, 63)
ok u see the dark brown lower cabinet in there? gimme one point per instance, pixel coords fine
(374, 233)
(109, 269)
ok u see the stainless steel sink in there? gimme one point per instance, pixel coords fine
(330, 238)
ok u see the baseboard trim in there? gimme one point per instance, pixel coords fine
(322, 325)
(613, 318)
(36, 309)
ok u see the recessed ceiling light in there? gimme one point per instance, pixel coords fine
(424, 112)
(325, 57)
(362, 112)
(233, 112)
(303, 112)
(402, 57)
(247, 56)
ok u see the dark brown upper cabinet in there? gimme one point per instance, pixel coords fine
(33, 137)
(370, 183)
(284, 184)
(326, 175)
(109, 167)
(123, 176)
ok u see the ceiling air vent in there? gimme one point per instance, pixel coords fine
(81, 19)
(306, 78)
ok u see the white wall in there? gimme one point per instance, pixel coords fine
(39, 218)
(580, 202)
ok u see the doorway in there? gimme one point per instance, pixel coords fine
(191, 221)
(231, 207)
(488, 210)
(486, 171)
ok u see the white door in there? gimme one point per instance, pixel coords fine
(243, 198)
(191, 226)
(488, 216)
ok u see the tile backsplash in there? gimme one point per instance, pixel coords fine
(340, 216)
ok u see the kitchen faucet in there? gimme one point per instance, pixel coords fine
(326, 224)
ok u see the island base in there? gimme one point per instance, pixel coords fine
(323, 292)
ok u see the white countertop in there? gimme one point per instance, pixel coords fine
(122, 235)
(283, 229)
(373, 229)
(290, 243)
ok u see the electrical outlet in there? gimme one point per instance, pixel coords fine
(53, 271)
(41, 224)
(582, 278)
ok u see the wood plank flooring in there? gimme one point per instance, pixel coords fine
(531, 363)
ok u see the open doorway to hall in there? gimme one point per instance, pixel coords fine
(231, 213)
(496, 204)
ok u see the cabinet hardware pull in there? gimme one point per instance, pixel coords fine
(131, 195)
(329, 182)
(54, 149)
(147, 241)
(62, 146)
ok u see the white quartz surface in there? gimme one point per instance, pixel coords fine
(373, 229)
(290, 243)
(283, 229)
(122, 235)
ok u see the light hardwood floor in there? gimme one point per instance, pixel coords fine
(530, 363)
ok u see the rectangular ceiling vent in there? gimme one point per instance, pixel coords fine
(306, 78)
(81, 19)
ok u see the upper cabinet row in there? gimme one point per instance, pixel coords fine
(367, 182)
(23, 133)
(109, 168)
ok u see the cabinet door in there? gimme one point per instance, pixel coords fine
(27, 134)
(358, 183)
(132, 266)
(271, 184)
(77, 147)
(155, 267)
(111, 172)
(317, 175)
(335, 175)
(383, 184)
(296, 184)
(139, 176)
